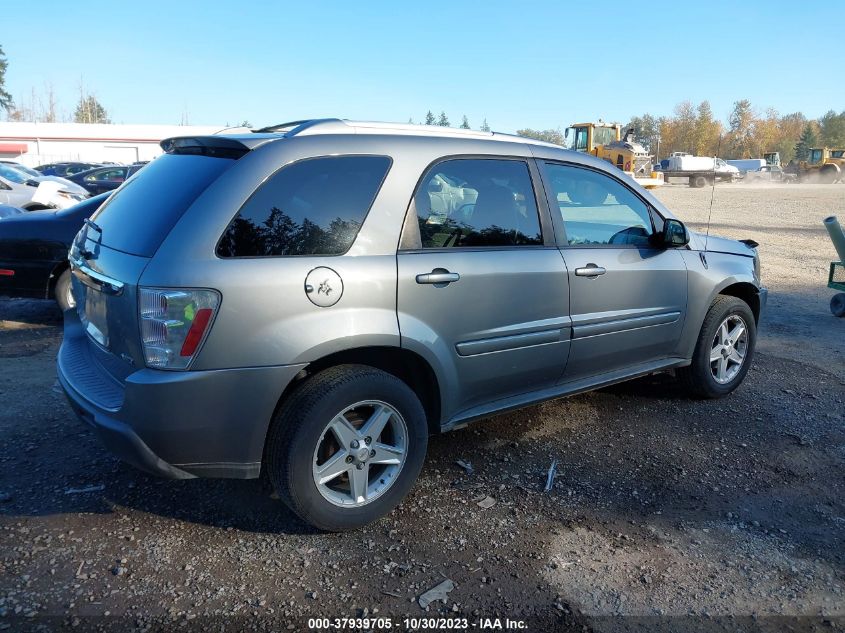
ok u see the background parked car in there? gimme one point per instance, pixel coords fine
(65, 169)
(34, 248)
(18, 189)
(103, 179)
(39, 177)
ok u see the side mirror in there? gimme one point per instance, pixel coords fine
(674, 233)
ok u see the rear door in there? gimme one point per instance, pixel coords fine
(628, 296)
(480, 281)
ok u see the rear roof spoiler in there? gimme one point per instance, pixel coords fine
(218, 146)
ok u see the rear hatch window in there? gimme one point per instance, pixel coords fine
(140, 214)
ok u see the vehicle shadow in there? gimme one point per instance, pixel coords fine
(28, 312)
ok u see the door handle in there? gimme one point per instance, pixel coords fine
(590, 270)
(438, 276)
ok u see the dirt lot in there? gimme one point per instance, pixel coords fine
(727, 515)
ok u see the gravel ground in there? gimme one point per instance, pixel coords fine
(726, 515)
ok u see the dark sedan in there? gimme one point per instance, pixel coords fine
(34, 248)
(103, 179)
(65, 169)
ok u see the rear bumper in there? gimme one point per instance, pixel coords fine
(175, 424)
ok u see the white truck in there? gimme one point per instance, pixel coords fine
(747, 164)
(698, 170)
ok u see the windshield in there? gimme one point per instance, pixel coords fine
(577, 139)
(15, 175)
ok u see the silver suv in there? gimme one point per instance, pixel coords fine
(312, 301)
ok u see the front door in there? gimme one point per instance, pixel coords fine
(482, 288)
(628, 296)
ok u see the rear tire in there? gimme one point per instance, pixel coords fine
(307, 434)
(720, 362)
(698, 182)
(63, 292)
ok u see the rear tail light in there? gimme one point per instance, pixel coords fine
(174, 324)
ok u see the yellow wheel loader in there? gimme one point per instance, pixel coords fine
(823, 165)
(605, 141)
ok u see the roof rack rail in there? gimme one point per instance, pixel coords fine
(292, 128)
(345, 126)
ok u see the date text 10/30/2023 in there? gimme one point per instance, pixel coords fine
(416, 624)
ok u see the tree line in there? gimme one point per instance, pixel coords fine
(749, 133)
(443, 121)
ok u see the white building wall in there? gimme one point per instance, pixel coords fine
(39, 143)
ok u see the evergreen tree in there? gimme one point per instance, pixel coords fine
(484, 127)
(465, 123)
(429, 118)
(5, 98)
(89, 110)
(808, 140)
(443, 120)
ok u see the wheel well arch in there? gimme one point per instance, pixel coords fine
(408, 366)
(747, 292)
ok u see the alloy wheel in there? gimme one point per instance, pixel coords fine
(360, 453)
(729, 349)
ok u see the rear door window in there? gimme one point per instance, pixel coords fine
(140, 214)
(311, 207)
(471, 202)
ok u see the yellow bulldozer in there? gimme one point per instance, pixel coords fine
(823, 165)
(605, 141)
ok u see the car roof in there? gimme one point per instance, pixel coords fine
(235, 144)
(313, 127)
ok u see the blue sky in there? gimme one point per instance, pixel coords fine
(519, 64)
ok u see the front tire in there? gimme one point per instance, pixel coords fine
(346, 447)
(724, 349)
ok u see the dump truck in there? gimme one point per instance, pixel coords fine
(605, 141)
